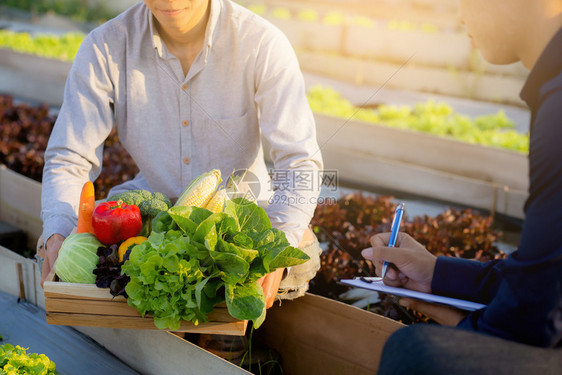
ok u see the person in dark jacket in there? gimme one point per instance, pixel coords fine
(520, 329)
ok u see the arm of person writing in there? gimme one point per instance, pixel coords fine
(413, 269)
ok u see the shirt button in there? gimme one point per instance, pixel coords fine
(186, 160)
(185, 123)
(184, 86)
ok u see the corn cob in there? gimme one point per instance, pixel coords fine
(217, 201)
(200, 190)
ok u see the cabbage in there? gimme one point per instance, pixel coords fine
(78, 258)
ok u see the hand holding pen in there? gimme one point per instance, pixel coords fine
(412, 265)
(395, 228)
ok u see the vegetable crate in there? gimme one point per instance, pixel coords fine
(87, 305)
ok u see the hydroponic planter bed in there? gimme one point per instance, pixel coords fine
(33, 77)
(425, 165)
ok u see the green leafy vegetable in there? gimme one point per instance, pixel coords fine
(78, 258)
(195, 259)
(15, 360)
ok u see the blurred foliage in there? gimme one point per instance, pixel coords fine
(334, 19)
(260, 9)
(437, 118)
(281, 13)
(78, 10)
(308, 15)
(58, 47)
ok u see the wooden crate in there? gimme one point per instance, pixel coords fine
(87, 305)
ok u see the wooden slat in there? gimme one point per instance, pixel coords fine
(55, 289)
(236, 328)
(322, 336)
(424, 182)
(77, 306)
(115, 308)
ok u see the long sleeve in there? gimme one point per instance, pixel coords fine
(75, 148)
(287, 123)
(523, 292)
(466, 279)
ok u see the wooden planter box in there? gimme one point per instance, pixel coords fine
(422, 164)
(434, 49)
(33, 77)
(447, 50)
(18, 275)
(20, 203)
(317, 335)
(412, 77)
(314, 36)
(87, 305)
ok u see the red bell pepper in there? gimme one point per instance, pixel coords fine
(114, 222)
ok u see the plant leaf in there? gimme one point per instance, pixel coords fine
(251, 218)
(234, 267)
(245, 302)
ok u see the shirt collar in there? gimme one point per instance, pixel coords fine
(158, 44)
(547, 66)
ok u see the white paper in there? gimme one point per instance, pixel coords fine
(378, 286)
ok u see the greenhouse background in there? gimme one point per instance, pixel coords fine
(405, 108)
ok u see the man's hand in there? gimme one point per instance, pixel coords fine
(443, 315)
(52, 247)
(414, 264)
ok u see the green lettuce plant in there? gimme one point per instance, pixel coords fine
(16, 360)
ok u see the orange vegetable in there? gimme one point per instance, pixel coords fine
(86, 208)
(270, 285)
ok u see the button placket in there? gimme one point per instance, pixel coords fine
(185, 134)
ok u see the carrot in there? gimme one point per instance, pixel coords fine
(86, 208)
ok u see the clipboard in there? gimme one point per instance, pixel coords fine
(376, 284)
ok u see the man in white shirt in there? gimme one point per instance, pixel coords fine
(191, 85)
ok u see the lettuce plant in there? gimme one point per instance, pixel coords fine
(16, 360)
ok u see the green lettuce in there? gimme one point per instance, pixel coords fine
(16, 360)
(195, 259)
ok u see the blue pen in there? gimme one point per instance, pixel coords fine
(394, 232)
